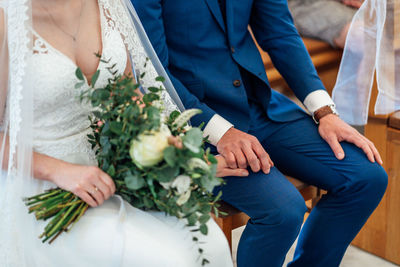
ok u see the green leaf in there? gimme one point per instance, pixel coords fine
(167, 173)
(170, 156)
(193, 140)
(192, 219)
(95, 77)
(111, 171)
(154, 89)
(204, 218)
(160, 79)
(79, 74)
(116, 127)
(79, 85)
(134, 182)
(204, 229)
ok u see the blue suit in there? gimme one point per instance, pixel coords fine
(215, 66)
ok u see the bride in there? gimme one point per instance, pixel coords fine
(43, 144)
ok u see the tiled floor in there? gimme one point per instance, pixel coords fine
(354, 257)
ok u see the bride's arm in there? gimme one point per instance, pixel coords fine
(78, 179)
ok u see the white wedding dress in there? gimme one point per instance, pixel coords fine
(114, 234)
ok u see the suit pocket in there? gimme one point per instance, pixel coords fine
(196, 88)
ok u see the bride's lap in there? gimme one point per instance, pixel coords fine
(105, 235)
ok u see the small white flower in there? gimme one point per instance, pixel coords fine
(182, 184)
(167, 185)
(183, 198)
(148, 150)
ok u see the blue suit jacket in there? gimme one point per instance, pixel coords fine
(202, 55)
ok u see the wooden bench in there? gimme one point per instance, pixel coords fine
(381, 234)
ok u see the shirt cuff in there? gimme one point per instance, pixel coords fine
(216, 128)
(316, 100)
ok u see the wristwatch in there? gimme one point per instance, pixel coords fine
(322, 112)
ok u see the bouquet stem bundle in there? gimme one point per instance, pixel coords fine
(62, 207)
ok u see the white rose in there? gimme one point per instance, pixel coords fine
(183, 198)
(182, 184)
(148, 149)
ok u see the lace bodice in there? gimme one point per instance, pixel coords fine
(60, 123)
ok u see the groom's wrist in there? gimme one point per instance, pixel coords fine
(216, 128)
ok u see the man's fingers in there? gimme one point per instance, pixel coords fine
(374, 150)
(252, 159)
(361, 143)
(240, 159)
(336, 147)
(230, 160)
(234, 172)
(265, 160)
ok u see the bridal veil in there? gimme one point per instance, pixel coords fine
(16, 113)
(372, 46)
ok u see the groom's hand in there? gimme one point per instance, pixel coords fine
(333, 130)
(241, 150)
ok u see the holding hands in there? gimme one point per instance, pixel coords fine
(241, 150)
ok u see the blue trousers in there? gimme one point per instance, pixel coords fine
(355, 187)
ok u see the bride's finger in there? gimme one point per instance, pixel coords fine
(103, 188)
(108, 181)
(87, 198)
(95, 193)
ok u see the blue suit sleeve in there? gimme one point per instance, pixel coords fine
(150, 13)
(274, 30)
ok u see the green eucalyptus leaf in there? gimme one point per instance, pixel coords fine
(160, 79)
(170, 156)
(204, 218)
(134, 182)
(79, 85)
(95, 77)
(79, 74)
(204, 229)
(111, 171)
(193, 140)
(167, 173)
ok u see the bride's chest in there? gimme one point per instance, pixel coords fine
(53, 73)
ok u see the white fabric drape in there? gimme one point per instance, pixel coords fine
(370, 48)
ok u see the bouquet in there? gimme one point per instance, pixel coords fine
(157, 162)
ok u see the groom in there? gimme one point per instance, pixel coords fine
(215, 66)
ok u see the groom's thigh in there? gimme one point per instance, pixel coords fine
(264, 197)
(298, 150)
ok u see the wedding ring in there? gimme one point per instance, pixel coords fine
(96, 189)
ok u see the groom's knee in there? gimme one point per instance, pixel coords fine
(286, 218)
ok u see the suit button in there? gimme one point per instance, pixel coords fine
(232, 49)
(237, 83)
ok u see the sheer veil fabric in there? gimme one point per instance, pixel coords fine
(16, 113)
(370, 48)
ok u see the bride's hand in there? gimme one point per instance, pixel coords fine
(89, 183)
(224, 170)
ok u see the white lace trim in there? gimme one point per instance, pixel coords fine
(118, 18)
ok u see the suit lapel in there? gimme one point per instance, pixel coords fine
(216, 11)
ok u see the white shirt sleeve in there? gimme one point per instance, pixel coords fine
(216, 128)
(317, 100)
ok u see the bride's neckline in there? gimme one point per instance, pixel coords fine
(67, 58)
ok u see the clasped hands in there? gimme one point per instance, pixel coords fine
(238, 150)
